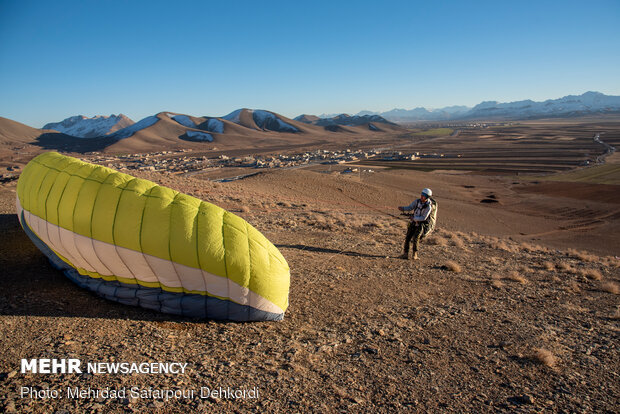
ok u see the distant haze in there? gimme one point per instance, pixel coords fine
(588, 103)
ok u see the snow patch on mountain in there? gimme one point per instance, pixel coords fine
(184, 120)
(234, 116)
(215, 125)
(200, 136)
(268, 120)
(83, 127)
(132, 129)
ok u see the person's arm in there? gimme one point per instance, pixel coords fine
(409, 207)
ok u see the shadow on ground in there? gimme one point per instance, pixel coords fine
(30, 286)
(325, 250)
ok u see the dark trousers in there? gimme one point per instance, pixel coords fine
(414, 233)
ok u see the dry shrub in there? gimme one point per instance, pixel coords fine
(544, 357)
(548, 265)
(465, 237)
(494, 260)
(591, 274)
(616, 316)
(583, 256)
(501, 245)
(457, 243)
(611, 287)
(452, 235)
(323, 223)
(436, 240)
(572, 287)
(516, 277)
(497, 284)
(556, 279)
(533, 248)
(453, 266)
(245, 209)
(443, 232)
(611, 261)
(339, 217)
(565, 267)
(527, 247)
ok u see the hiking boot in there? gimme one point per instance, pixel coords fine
(415, 256)
(404, 256)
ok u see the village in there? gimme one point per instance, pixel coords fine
(182, 161)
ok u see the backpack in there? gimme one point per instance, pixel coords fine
(432, 218)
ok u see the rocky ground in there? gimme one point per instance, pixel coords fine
(493, 317)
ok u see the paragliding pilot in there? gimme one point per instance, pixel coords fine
(422, 221)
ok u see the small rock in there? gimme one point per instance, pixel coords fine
(11, 374)
(371, 350)
(528, 399)
(522, 399)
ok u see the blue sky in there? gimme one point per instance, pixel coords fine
(63, 58)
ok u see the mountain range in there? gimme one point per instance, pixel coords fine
(243, 128)
(252, 128)
(589, 103)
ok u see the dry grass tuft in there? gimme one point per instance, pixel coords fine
(497, 284)
(494, 260)
(572, 287)
(245, 209)
(465, 237)
(527, 247)
(611, 287)
(340, 219)
(457, 242)
(501, 245)
(453, 266)
(583, 256)
(611, 261)
(591, 274)
(567, 268)
(544, 357)
(548, 266)
(322, 223)
(436, 240)
(516, 277)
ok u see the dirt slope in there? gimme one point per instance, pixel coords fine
(509, 326)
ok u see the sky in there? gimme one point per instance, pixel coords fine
(208, 58)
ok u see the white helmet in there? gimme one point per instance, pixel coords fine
(427, 192)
